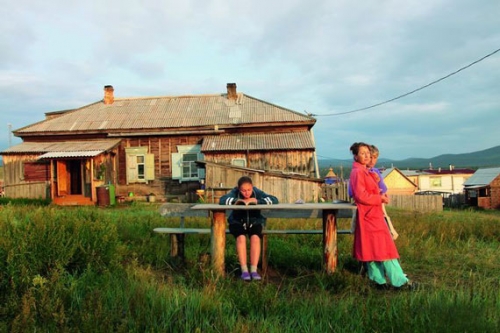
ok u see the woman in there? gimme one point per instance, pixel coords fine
(247, 222)
(373, 243)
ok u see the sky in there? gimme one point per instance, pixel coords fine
(312, 56)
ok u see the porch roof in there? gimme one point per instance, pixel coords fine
(64, 148)
(69, 154)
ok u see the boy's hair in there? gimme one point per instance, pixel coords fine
(244, 180)
(374, 150)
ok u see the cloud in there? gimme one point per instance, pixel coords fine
(319, 56)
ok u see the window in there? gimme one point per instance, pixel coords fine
(241, 162)
(189, 168)
(140, 165)
(435, 181)
(184, 165)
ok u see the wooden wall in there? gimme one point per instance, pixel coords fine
(286, 188)
(300, 162)
(289, 161)
(15, 184)
(495, 193)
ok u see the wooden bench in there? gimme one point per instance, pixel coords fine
(183, 210)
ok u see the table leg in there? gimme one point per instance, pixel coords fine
(330, 250)
(218, 241)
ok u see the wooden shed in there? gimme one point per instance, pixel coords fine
(482, 189)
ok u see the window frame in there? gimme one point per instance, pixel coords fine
(133, 165)
(179, 164)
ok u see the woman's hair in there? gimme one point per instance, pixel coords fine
(356, 145)
(244, 180)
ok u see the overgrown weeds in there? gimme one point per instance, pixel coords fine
(104, 270)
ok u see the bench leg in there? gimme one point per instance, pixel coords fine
(218, 241)
(177, 245)
(330, 241)
(264, 255)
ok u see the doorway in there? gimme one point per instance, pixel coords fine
(69, 177)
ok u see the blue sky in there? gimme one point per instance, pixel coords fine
(320, 57)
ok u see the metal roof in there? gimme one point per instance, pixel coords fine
(409, 173)
(64, 147)
(69, 154)
(167, 112)
(267, 141)
(482, 177)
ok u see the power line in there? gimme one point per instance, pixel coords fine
(411, 92)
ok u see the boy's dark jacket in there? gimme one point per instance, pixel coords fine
(248, 216)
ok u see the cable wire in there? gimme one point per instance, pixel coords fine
(411, 92)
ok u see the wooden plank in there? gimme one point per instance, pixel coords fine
(206, 231)
(200, 231)
(179, 210)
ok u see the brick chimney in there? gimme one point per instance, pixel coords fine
(231, 91)
(109, 98)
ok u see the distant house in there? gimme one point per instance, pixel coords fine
(443, 181)
(450, 180)
(397, 182)
(168, 145)
(482, 189)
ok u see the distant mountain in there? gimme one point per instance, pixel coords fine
(479, 159)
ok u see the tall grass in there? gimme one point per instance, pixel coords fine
(104, 270)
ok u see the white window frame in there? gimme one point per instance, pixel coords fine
(132, 165)
(179, 165)
(435, 182)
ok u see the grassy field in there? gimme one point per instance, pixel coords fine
(104, 270)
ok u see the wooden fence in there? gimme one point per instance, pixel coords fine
(421, 203)
(337, 191)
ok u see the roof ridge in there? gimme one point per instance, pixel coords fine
(167, 96)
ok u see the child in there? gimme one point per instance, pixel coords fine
(247, 222)
(374, 152)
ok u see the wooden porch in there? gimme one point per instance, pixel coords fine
(73, 200)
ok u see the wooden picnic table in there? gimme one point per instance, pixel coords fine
(327, 211)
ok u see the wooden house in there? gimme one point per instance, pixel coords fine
(482, 189)
(397, 182)
(170, 146)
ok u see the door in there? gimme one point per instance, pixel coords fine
(62, 178)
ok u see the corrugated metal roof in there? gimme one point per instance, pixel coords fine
(266, 141)
(482, 177)
(64, 146)
(409, 173)
(167, 112)
(68, 154)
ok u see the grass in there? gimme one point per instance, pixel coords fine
(104, 270)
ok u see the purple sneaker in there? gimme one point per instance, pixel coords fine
(255, 276)
(245, 276)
